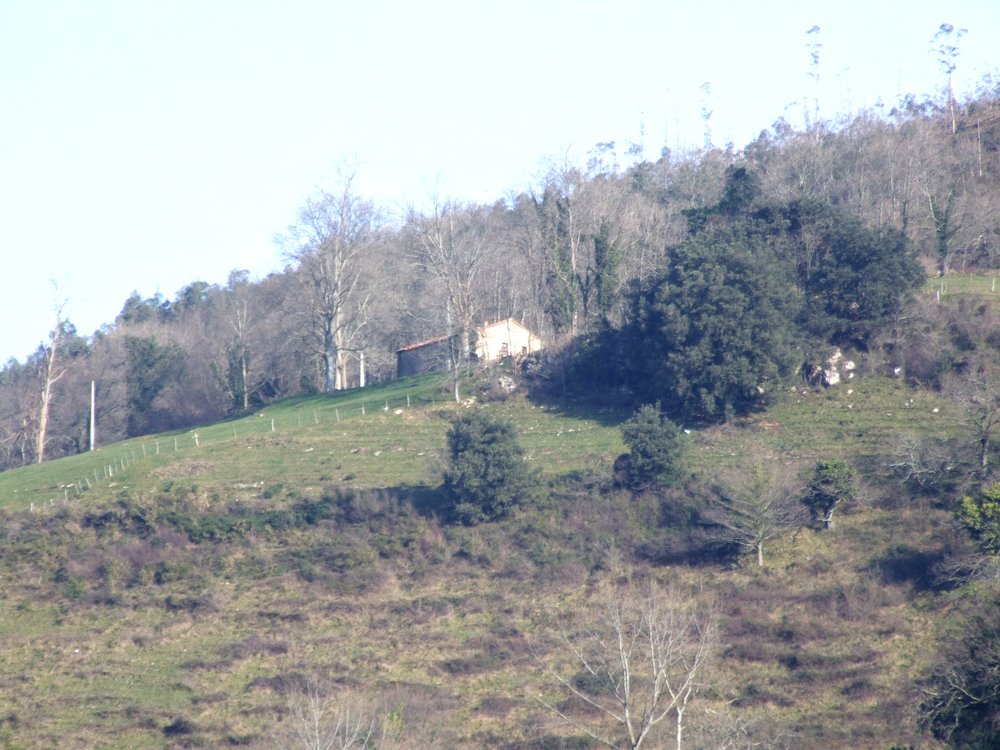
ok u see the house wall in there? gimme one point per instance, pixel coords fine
(429, 357)
(493, 342)
(504, 339)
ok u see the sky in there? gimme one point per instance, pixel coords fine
(147, 144)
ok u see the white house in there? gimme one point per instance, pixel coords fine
(505, 338)
(494, 341)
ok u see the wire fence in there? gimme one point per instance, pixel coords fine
(112, 463)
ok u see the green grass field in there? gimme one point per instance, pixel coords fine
(383, 436)
(955, 285)
(171, 599)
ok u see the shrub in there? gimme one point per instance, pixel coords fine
(655, 448)
(179, 726)
(487, 475)
(981, 516)
(832, 483)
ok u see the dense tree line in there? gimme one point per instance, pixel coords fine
(744, 298)
(794, 219)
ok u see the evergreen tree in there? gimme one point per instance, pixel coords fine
(855, 279)
(831, 484)
(655, 447)
(151, 367)
(487, 475)
(714, 336)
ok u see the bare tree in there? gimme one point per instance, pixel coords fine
(18, 412)
(976, 392)
(944, 225)
(814, 45)
(334, 230)
(946, 41)
(320, 719)
(234, 375)
(754, 508)
(924, 463)
(639, 660)
(52, 371)
(450, 246)
(729, 729)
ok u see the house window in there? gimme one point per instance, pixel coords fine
(504, 349)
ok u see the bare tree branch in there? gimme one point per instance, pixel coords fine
(640, 657)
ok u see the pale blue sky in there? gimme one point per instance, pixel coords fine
(145, 144)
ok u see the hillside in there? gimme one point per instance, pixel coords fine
(841, 211)
(174, 590)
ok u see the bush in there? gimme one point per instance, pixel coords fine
(832, 483)
(487, 475)
(981, 516)
(655, 448)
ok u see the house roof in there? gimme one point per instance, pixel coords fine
(421, 344)
(505, 323)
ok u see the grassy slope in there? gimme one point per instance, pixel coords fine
(383, 436)
(108, 639)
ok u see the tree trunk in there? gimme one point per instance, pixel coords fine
(50, 378)
(329, 372)
(329, 358)
(245, 379)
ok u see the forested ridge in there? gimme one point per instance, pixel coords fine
(583, 252)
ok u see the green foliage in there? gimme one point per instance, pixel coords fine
(151, 367)
(832, 483)
(713, 337)
(608, 257)
(981, 516)
(855, 279)
(751, 288)
(655, 447)
(137, 310)
(487, 476)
